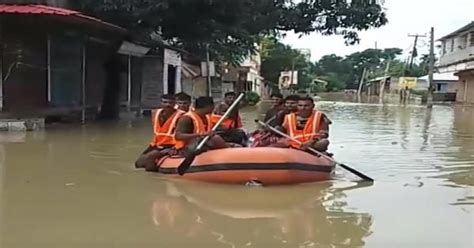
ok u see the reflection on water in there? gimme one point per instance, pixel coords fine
(312, 217)
(73, 186)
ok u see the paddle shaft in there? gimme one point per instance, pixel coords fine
(361, 175)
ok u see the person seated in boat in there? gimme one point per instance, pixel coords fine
(278, 105)
(164, 121)
(183, 102)
(196, 124)
(231, 128)
(308, 126)
(263, 137)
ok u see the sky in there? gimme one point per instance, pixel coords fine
(404, 17)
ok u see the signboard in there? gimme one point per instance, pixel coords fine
(212, 68)
(407, 82)
(172, 58)
(286, 79)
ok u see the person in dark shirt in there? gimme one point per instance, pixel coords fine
(275, 118)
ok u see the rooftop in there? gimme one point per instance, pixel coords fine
(461, 30)
(37, 9)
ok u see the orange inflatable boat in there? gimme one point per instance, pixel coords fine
(268, 166)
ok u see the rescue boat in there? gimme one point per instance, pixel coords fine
(264, 165)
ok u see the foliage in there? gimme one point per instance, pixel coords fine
(252, 98)
(232, 28)
(339, 72)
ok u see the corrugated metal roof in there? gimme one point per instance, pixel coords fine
(37, 9)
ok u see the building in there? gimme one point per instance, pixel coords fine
(55, 62)
(53, 59)
(457, 56)
(443, 82)
(245, 77)
(306, 53)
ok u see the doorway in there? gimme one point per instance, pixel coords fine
(171, 79)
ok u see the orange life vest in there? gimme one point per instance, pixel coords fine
(199, 127)
(164, 134)
(228, 123)
(311, 129)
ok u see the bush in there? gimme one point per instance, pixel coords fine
(252, 98)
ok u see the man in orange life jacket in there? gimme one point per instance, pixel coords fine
(231, 126)
(183, 101)
(308, 126)
(196, 124)
(164, 122)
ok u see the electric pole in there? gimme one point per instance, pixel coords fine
(431, 70)
(413, 53)
(208, 68)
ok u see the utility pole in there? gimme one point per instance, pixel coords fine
(362, 79)
(382, 84)
(413, 53)
(431, 70)
(291, 75)
(209, 82)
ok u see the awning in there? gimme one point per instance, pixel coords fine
(37, 9)
(190, 71)
(132, 49)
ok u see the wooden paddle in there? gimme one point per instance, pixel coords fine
(354, 171)
(184, 166)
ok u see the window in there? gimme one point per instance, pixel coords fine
(444, 47)
(471, 38)
(452, 45)
(462, 42)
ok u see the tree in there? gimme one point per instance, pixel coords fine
(277, 57)
(232, 28)
(229, 28)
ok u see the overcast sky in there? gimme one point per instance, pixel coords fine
(404, 17)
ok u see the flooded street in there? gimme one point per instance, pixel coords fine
(73, 186)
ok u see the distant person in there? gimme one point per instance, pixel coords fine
(164, 121)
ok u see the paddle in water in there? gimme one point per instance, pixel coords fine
(184, 166)
(354, 171)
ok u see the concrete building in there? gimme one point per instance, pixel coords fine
(457, 56)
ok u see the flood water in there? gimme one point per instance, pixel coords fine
(73, 186)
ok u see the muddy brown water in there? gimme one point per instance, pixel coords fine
(73, 186)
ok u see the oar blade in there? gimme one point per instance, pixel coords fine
(184, 166)
(356, 172)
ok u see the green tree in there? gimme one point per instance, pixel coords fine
(277, 57)
(232, 28)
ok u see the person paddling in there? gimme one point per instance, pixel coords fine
(196, 124)
(164, 121)
(308, 126)
(274, 118)
(231, 127)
